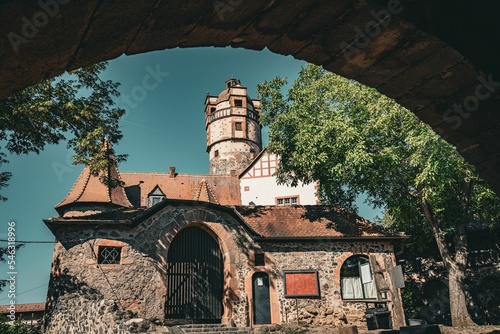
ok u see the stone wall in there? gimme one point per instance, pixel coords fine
(85, 298)
(327, 258)
(136, 287)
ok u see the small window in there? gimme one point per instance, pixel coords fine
(238, 103)
(212, 110)
(216, 153)
(260, 260)
(238, 126)
(109, 255)
(356, 279)
(152, 199)
(287, 200)
(246, 188)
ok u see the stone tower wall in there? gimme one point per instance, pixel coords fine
(233, 131)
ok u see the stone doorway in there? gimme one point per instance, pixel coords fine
(194, 278)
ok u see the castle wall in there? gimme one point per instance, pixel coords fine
(84, 297)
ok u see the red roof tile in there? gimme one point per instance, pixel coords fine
(309, 221)
(218, 189)
(90, 189)
(35, 307)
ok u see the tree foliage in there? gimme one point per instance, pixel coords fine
(354, 141)
(78, 107)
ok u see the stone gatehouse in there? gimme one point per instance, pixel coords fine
(174, 248)
(105, 268)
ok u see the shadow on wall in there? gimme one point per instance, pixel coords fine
(63, 285)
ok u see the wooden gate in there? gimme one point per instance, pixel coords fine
(194, 277)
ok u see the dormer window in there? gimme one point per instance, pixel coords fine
(155, 196)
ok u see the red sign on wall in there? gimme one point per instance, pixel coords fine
(301, 284)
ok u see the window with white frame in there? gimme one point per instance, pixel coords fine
(356, 279)
(292, 200)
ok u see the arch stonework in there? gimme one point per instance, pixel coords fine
(418, 53)
(229, 249)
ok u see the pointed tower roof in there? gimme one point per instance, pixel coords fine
(204, 193)
(90, 190)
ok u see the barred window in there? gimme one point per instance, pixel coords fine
(109, 255)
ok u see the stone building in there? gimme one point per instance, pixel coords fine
(177, 248)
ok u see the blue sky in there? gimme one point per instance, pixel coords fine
(163, 127)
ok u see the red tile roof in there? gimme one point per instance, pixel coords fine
(309, 221)
(217, 189)
(20, 308)
(90, 189)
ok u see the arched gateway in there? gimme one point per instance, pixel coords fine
(194, 277)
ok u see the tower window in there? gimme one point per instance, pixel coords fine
(238, 126)
(238, 103)
(216, 153)
(109, 255)
(212, 110)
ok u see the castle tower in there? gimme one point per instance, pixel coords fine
(234, 135)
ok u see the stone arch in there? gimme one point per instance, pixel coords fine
(210, 223)
(398, 56)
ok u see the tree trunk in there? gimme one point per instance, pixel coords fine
(458, 305)
(455, 266)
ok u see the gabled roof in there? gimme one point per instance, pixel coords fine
(264, 223)
(315, 221)
(219, 189)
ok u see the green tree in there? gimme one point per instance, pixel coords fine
(356, 141)
(15, 327)
(78, 107)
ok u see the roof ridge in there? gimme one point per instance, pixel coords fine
(85, 184)
(73, 187)
(121, 184)
(211, 193)
(197, 192)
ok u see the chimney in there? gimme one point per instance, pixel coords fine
(172, 171)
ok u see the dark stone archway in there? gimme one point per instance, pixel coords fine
(437, 58)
